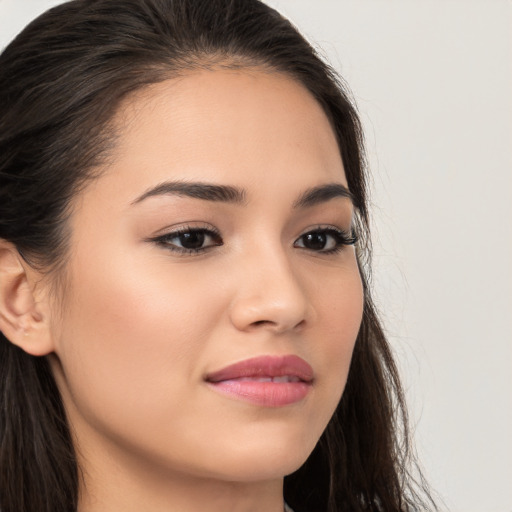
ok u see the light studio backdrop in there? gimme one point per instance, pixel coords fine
(433, 83)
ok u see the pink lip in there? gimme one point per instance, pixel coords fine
(249, 380)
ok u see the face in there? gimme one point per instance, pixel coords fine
(213, 298)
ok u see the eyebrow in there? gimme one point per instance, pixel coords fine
(235, 195)
(323, 193)
(197, 190)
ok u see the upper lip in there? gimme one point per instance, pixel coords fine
(265, 366)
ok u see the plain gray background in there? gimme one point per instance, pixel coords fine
(432, 81)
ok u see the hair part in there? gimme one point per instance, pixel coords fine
(62, 80)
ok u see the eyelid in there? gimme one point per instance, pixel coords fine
(184, 226)
(350, 232)
(344, 238)
(176, 231)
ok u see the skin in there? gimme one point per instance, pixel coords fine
(142, 325)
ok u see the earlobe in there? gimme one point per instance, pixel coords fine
(23, 319)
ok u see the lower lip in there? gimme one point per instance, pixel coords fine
(266, 394)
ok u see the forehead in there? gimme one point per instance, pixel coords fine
(246, 127)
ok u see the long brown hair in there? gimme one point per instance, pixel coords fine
(61, 81)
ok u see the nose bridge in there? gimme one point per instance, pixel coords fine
(269, 292)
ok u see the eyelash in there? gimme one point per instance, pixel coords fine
(341, 237)
(164, 240)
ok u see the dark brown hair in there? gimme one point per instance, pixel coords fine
(61, 81)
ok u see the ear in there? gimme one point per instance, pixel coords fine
(24, 312)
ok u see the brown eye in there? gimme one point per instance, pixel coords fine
(325, 240)
(316, 241)
(190, 240)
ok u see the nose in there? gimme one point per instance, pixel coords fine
(269, 295)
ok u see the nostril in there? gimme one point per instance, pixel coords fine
(261, 322)
(276, 325)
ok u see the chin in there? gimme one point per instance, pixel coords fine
(268, 459)
(260, 469)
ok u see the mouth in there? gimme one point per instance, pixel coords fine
(269, 381)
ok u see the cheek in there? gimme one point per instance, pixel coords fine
(340, 310)
(131, 334)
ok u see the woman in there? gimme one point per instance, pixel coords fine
(183, 271)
